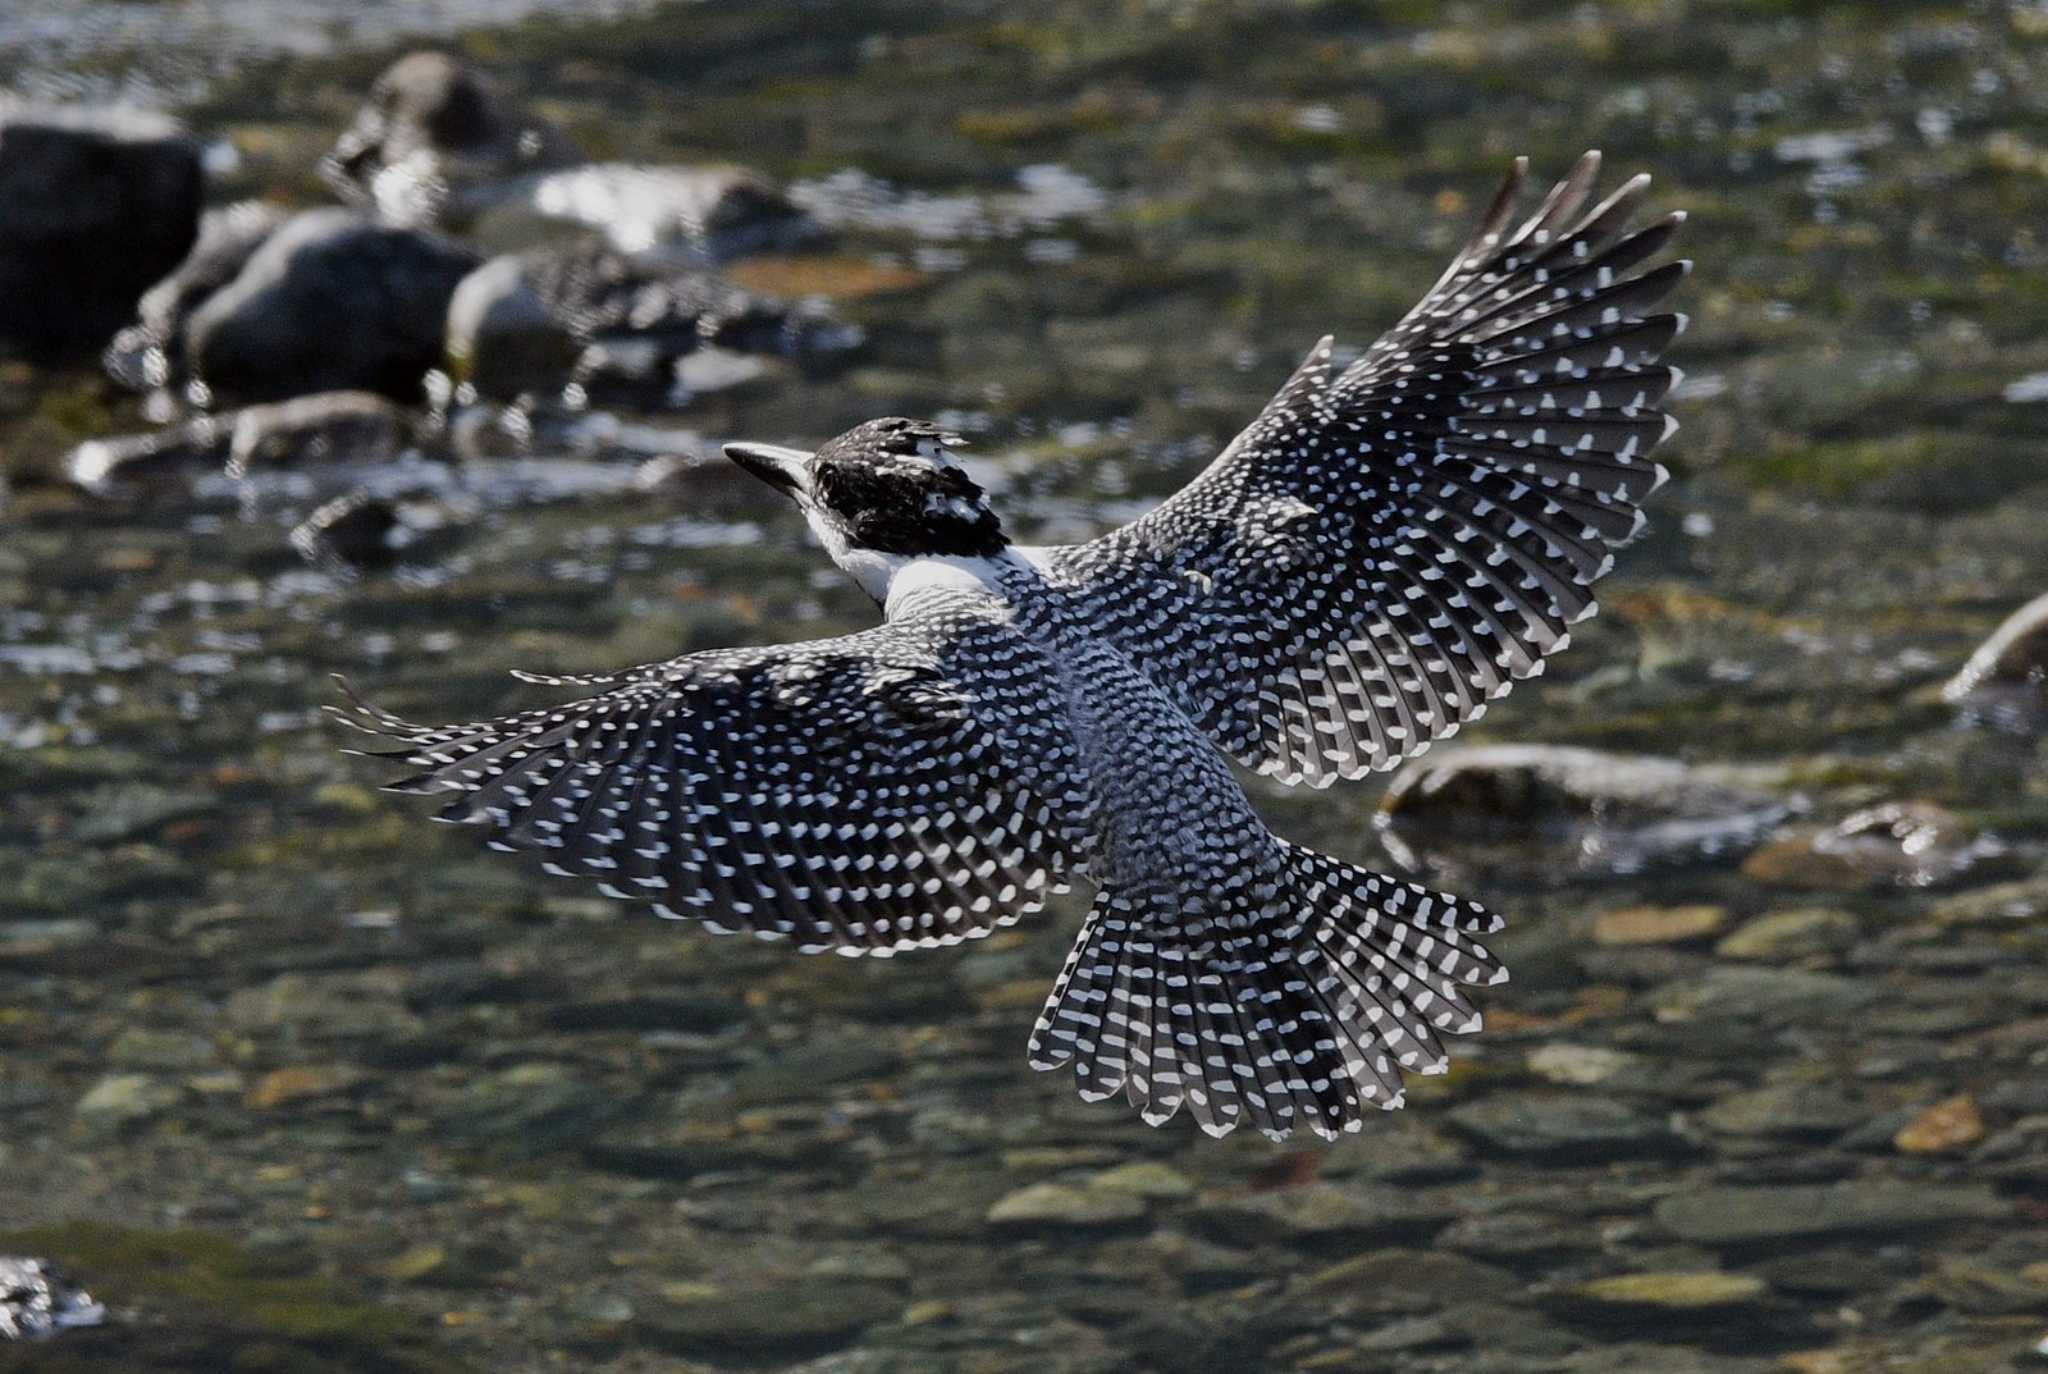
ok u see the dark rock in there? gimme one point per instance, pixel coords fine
(95, 205)
(436, 143)
(700, 1014)
(1754, 1216)
(349, 534)
(330, 302)
(330, 427)
(36, 1301)
(151, 352)
(2005, 681)
(1541, 812)
(535, 321)
(1574, 1127)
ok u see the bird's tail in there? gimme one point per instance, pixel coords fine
(1304, 1012)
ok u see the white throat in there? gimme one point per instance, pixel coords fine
(891, 578)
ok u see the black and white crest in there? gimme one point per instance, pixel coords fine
(895, 487)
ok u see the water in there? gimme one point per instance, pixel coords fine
(289, 1070)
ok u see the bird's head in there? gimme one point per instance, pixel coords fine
(881, 493)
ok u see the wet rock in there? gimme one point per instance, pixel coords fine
(302, 1083)
(1538, 812)
(1769, 996)
(95, 205)
(331, 427)
(1518, 1237)
(773, 1318)
(2000, 904)
(1574, 1127)
(1754, 1216)
(1658, 925)
(350, 534)
(1146, 1179)
(1582, 1065)
(150, 353)
(138, 1047)
(714, 214)
(1795, 934)
(1054, 1206)
(536, 321)
(1787, 1109)
(436, 143)
(1313, 1214)
(130, 464)
(1944, 1128)
(1400, 1280)
(1900, 844)
(121, 1101)
(330, 302)
(2005, 682)
(127, 811)
(1685, 1291)
(530, 1109)
(36, 1301)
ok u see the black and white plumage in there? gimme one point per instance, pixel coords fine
(1387, 548)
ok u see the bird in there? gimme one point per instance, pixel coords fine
(1397, 539)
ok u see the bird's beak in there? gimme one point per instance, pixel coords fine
(785, 469)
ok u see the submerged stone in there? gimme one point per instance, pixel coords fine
(36, 1301)
(1898, 844)
(1747, 1216)
(1541, 812)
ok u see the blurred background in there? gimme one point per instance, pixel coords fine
(313, 360)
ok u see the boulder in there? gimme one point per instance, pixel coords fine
(95, 205)
(436, 142)
(332, 301)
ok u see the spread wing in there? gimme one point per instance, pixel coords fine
(1390, 546)
(838, 793)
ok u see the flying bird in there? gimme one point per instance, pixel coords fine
(1390, 545)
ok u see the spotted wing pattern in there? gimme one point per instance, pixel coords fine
(1390, 546)
(838, 793)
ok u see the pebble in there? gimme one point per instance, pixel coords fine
(301, 1083)
(123, 1100)
(1658, 925)
(1682, 1291)
(1566, 1127)
(1056, 1206)
(1944, 1128)
(1796, 934)
(1314, 1213)
(1146, 1179)
(1750, 1215)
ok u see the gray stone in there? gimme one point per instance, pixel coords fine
(1054, 1206)
(1567, 1127)
(1748, 1216)
(779, 1319)
(1321, 1213)
(95, 205)
(436, 143)
(124, 1100)
(330, 302)
(2001, 904)
(1769, 996)
(141, 1048)
(1793, 1109)
(1545, 812)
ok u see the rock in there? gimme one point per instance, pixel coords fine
(1794, 1109)
(2006, 680)
(1581, 1066)
(130, 464)
(436, 143)
(124, 1100)
(1054, 1206)
(1999, 904)
(1943, 1128)
(151, 352)
(1658, 925)
(1796, 934)
(140, 1048)
(1542, 812)
(773, 1318)
(1146, 1179)
(301, 1083)
(1518, 1237)
(1769, 996)
(1637, 1296)
(530, 1109)
(714, 214)
(1738, 1216)
(127, 811)
(349, 534)
(36, 1301)
(95, 205)
(1311, 1214)
(330, 302)
(1398, 1281)
(1901, 844)
(1566, 1127)
(534, 321)
(329, 427)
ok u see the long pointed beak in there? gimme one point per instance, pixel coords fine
(785, 469)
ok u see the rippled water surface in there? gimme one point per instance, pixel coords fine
(293, 1080)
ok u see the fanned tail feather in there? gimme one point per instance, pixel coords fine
(1303, 1013)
